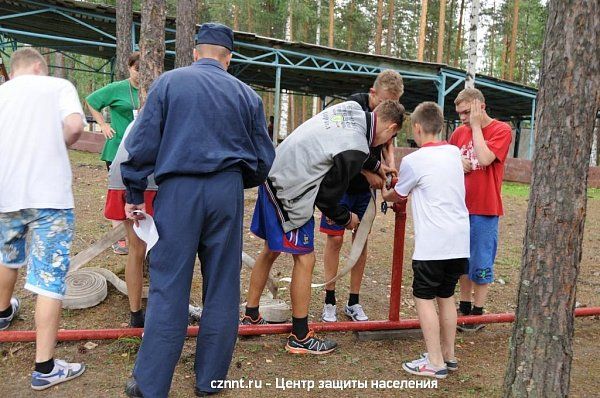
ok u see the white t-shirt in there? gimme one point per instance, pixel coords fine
(434, 177)
(34, 164)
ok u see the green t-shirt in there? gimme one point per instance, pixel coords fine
(118, 97)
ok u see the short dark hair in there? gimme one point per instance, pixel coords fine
(134, 59)
(390, 111)
(429, 116)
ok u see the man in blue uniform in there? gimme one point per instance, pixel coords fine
(204, 135)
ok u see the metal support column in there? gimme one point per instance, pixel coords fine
(517, 139)
(112, 69)
(531, 131)
(441, 89)
(277, 105)
(133, 40)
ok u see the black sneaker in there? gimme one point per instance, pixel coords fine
(472, 328)
(137, 321)
(132, 390)
(200, 393)
(451, 364)
(246, 320)
(469, 328)
(309, 345)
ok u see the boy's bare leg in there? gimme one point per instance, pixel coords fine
(466, 288)
(8, 278)
(260, 275)
(134, 271)
(480, 293)
(300, 287)
(430, 327)
(331, 257)
(356, 275)
(47, 318)
(447, 315)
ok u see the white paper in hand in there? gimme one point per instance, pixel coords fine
(146, 230)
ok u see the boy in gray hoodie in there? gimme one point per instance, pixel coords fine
(312, 167)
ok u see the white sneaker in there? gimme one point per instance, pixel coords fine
(356, 312)
(63, 371)
(422, 367)
(329, 313)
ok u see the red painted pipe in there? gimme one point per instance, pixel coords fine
(397, 259)
(394, 322)
(248, 330)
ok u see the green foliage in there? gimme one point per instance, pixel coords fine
(519, 190)
(355, 25)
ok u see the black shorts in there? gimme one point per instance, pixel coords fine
(437, 278)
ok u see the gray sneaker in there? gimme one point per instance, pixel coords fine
(451, 364)
(63, 371)
(356, 313)
(422, 367)
(5, 322)
(329, 313)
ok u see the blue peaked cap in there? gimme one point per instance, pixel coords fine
(216, 34)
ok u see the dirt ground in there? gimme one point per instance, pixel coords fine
(482, 356)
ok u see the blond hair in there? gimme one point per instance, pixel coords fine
(469, 94)
(429, 116)
(26, 57)
(390, 81)
(390, 111)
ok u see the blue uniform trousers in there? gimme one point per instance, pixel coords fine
(203, 215)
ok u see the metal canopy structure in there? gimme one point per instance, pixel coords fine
(90, 29)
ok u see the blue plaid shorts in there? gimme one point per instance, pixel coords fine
(40, 238)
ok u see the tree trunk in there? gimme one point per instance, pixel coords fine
(331, 22)
(525, 53)
(422, 28)
(450, 30)
(302, 119)
(541, 348)
(458, 48)
(318, 42)
(59, 63)
(3, 72)
(124, 12)
(186, 30)
(472, 64)
(504, 60)
(379, 29)
(390, 28)
(152, 44)
(250, 17)
(441, 28)
(350, 26)
(493, 39)
(594, 152)
(513, 41)
(286, 116)
(236, 19)
(597, 135)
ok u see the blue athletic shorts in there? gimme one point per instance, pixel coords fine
(356, 203)
(484, 242)
(266, 224)
(40, 238)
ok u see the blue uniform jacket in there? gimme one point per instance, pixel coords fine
(197, 120)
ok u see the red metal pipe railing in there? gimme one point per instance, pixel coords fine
(248, 330)
(394, 321)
